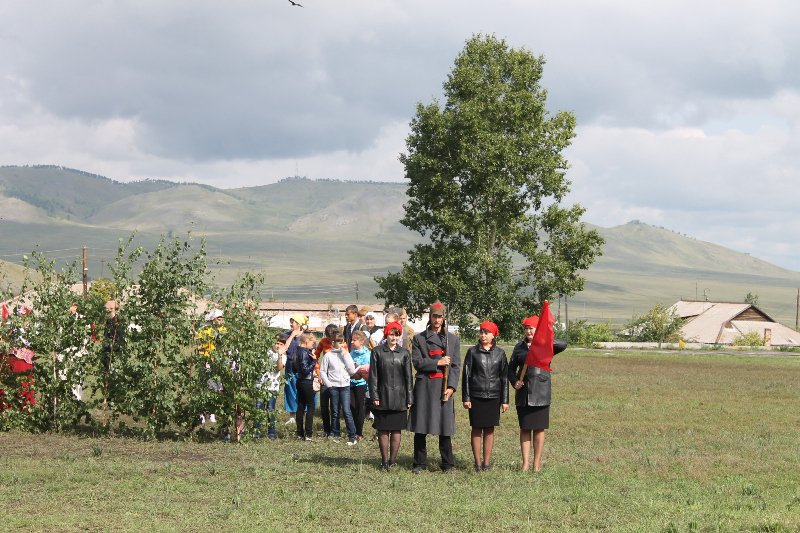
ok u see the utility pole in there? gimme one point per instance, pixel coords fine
(797, 312)
(566, 319)
(85, 272)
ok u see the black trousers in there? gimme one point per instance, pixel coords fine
(358, 406)
(305, 408)
(421, 451)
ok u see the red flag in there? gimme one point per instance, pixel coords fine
(541, 351)
(5, 313)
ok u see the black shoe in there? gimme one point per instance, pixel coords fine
(418, 469)
(385, 467)
(487, 468)
(392, 465)
(448, 470)
(478, 468)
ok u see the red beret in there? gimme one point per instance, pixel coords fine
(392, 326)
(491, 327)
(531, 321)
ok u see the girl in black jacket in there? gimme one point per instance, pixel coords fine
(390, 390)
(305, 364)
(483, 388)
(532, 397)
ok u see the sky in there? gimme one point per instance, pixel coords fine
(688, 112)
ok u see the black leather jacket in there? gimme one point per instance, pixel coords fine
(390, 378)
(537, 390)
(484, 375)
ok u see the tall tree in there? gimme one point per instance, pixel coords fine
(486, 181)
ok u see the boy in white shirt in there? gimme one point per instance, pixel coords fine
(272, 380)
(335, 370)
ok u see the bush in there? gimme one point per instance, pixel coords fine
(144, 363)
(659, 324)
(752, 338)
(581, 333)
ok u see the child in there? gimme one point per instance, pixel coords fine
(325, 345)
(273, 382)
(335, 370)
(484, 386)
(358, 385)
(305, 364)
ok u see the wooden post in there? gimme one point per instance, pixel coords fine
(85, 272)
(797, 312)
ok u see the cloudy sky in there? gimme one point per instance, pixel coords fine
(688, 112)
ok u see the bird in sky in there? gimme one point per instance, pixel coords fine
(295, 3)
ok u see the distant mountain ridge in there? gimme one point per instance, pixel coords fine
(334, 236)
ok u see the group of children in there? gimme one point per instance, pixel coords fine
(334, 368)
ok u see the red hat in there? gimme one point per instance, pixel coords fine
(531, 321)
(392, 326)
(491, 327)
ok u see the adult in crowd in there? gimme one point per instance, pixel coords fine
(353, 324)
(436, 356)
(297, 324)
(532, 397)
(370, 320)
(390, 390)
(375, 338)
(484, 391)
(392, 315)
(408, 331)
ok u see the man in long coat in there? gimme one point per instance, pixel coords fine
(434, 353)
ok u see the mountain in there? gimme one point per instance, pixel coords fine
(323, 240)
(643, 264)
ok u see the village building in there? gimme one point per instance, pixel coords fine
(321, 314)
(723, 322)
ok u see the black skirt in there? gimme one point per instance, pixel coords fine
(485, 413)
(390, 420)
(533, 417)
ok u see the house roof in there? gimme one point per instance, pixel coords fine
(313, 307)
(781, 335)
(716, 323)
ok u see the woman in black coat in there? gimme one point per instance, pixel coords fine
(484, 386)
(390, 390)
(532, 397)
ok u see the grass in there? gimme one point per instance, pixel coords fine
(638, 442)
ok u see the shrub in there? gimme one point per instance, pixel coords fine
(582, 333)
(751, 338)
(659, 324)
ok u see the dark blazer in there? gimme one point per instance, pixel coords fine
(485, 374)
(390, 378)
(537, 390)
(348, 333)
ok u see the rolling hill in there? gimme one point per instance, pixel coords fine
(324, 240)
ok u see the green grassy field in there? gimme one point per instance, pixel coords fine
(638, 442)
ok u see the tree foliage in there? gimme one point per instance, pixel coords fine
(660, 324)
(751, 299)
(145, 365)
(487, 177)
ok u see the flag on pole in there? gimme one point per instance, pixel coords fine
(540, 354)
